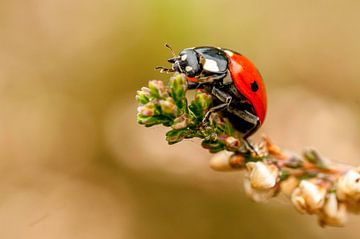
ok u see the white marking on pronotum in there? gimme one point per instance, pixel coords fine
(211, 65)
(230, 53)
(183, 57)
(188, 68)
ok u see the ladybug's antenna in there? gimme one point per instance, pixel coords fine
(170, 48)
(164, 69)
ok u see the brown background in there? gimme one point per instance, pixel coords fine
(73, 162)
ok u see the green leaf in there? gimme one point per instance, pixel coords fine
(152, 120)
(313, 157)
(284, 174)
(177, 135)
(294, 162)
(142, 99)
(228, 128)
(213, 146)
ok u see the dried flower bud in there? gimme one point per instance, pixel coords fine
(258, 195)
(348, 186)
(333, 213)
(168, 106)
(221, 161)
(262, 176)
(237, 161)
(147, 110)
(181, 122)
(232, 142)
(157, 88)
(308, 197)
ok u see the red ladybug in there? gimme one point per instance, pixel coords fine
(234, 82)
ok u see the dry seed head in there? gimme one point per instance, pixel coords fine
(262, 176)
(308, 197)
(257, 195)
(221, 161)
(333, 212)
(348, 186)
(181, 122)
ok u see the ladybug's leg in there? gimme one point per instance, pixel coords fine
(204, 80)
(254, 121)
(212, 110)
(194, 85)
(226, 99)
(164, 69)
(249, 146)
(212, 78)
(248, 117)
(223, 97)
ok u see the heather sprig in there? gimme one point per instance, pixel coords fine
(168, 105)
(313, 184)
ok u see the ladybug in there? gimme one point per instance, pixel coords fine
(234, 82)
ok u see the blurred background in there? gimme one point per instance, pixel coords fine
(73, 161)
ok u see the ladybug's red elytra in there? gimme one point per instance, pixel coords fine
(236, 85)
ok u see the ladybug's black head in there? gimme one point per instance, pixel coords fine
(188, 62)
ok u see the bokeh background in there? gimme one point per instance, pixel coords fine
(73, 161)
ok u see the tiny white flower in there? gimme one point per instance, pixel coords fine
(308, 197)
(333, 212)
(221, 161)
(262, 176)
(348, 186)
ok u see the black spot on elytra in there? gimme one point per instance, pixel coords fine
(254, 86)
